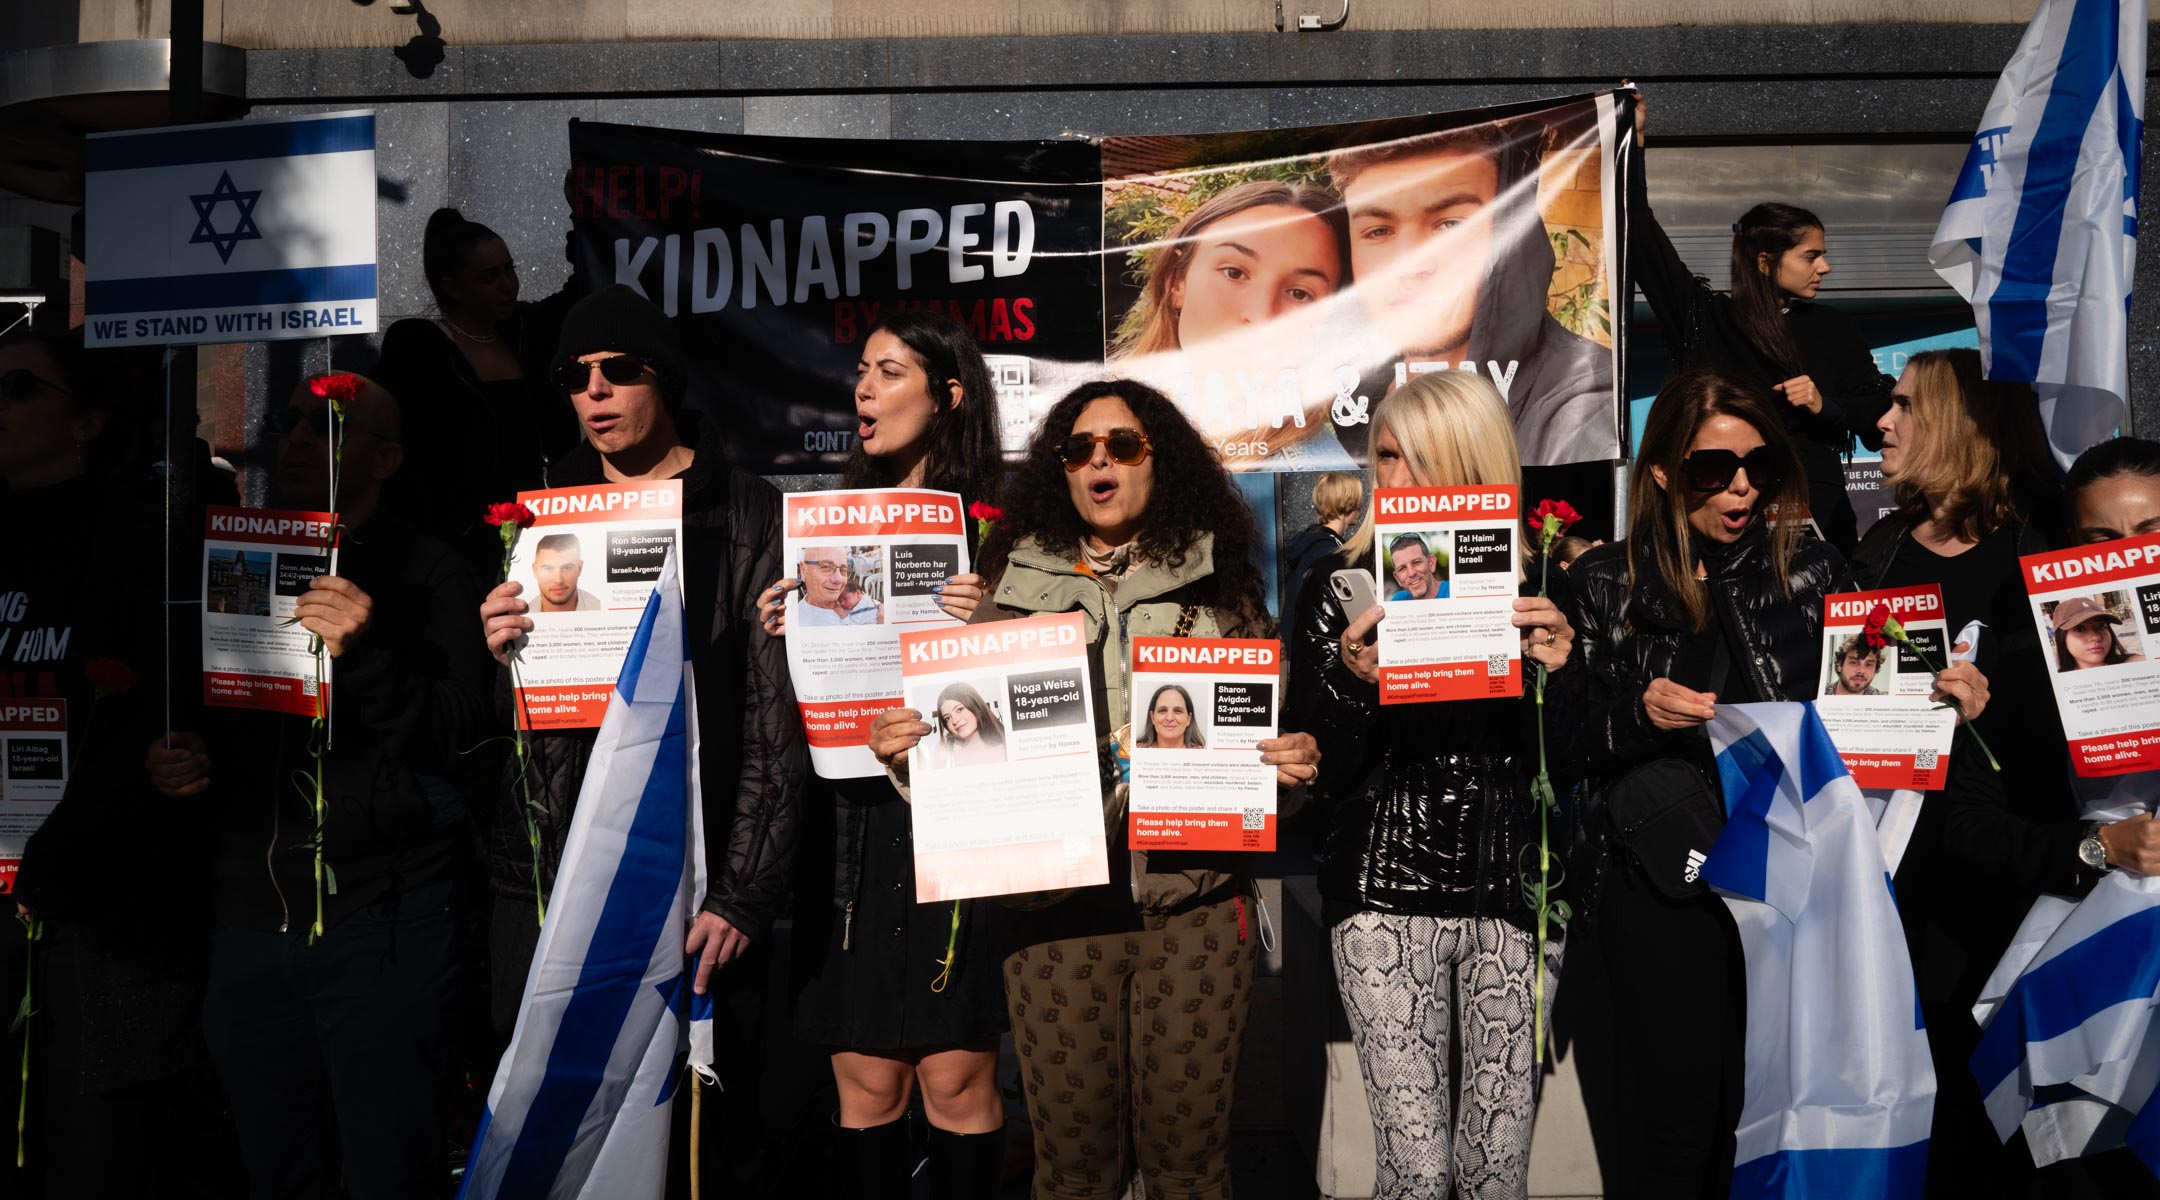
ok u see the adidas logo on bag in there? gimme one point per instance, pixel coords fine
(1695, 859)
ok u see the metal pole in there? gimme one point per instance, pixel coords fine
(183, 525)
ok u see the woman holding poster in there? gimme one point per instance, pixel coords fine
(926, 417)
(1121, 512)
(1704, 602)
(1427, 824)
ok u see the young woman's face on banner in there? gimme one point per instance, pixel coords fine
(1252, 268)
(1420, 229)
(893, 401)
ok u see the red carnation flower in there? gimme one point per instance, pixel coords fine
(985, 512)
(1878, 620)
(109, 676)
(1555, 510)
(337, 386)
(510, 513)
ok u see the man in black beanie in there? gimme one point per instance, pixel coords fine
(623, 368)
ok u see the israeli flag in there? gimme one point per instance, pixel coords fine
(2041, 230)
(1839, 1087)
(2069, 1049)
(580, 1105)
(235, 231)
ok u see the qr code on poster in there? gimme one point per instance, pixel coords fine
(1924, 761)
(307, 686)
(1255, 818)
(1496, 665)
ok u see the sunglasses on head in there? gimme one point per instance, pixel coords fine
(1128, 448)
(1713, 470)
(20, 382)
(618, 369)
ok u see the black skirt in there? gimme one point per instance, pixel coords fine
(864, 983)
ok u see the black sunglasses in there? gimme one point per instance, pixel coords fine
(283, 421)
(20, 382)
(1128, 448)
(618, 369)
(1713, 470)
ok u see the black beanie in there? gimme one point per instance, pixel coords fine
(617, 318)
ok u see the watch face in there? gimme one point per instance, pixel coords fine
(2093, 852)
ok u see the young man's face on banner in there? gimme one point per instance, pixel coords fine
(1419, 231)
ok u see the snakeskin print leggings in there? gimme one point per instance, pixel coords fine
(1139, 1031)
(1405, 980)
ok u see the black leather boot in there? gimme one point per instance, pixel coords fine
(966, 1166)
(874, 1161)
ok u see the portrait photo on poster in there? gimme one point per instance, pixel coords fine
(1174, 716)
(968, 720)
(1417, 564)
(842, 585)
(2094, 631)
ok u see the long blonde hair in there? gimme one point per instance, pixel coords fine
(1454, 431)
(1971, 443)
(1660, 541)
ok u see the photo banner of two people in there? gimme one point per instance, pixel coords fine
(1276, 283)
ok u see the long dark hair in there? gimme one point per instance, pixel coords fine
(1191, 495)
(1659, 541)
(2110, 459)
(1758, 304)
(963, 452)
(450, 240)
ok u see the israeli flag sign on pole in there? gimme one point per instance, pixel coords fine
(580, 1105)
(2069, 1049)
(1839, 1087)
(238, 231)
(2041, 230)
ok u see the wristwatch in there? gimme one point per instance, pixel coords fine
(2092, 851)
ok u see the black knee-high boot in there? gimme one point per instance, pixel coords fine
(966, 1166)
(874, 1161)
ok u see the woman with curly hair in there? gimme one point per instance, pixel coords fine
(1121, 513)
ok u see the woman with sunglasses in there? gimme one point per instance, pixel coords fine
(1769, 330)
(481, 423)
(1705, 602)
(1121, 512)
(926, 416)
(1429, 815)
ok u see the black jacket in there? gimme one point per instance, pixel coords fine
(1627, 636)
(1428, 805)
(407, 699)
(751, 759)
(1701, 331)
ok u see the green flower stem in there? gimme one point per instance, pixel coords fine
(509, 531)
(1897, 634)
(952, 951)
(34, 929)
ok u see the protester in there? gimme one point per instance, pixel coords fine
(482, 424)
(1566, 550)
(359, 1015)
(1337, 499)
(1705, 601)
(1770, 332)
(1452, 264)
(867, 954)
(1120, 512)
(1965, 461)
(1430, 813)
(115, 1045)
(751, 750)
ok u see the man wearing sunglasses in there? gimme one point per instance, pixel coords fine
(363, 1014)
(625, 373)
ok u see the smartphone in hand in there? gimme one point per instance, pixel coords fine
(1353, 586)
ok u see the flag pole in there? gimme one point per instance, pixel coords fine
(697, 1124)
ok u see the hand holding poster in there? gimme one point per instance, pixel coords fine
(1201, 707)
(1006, 792)
(870, 565)
(1445, 559)
(257, 562)
(2096, 606)
(1875, 697)
(587, 564)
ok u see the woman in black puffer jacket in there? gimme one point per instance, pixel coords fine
(1429, 813)
(1704, 601)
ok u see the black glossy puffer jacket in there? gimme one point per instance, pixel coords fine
(1630, 636)
(751, 757)
(1425, 806)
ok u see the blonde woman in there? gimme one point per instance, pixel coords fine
(1426, 818)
